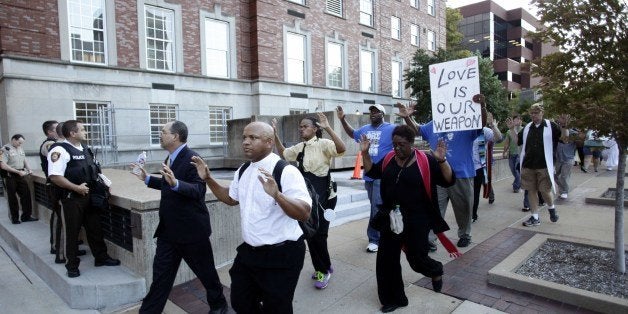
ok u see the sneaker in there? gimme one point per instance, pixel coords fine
(329, 271)
(372, 248)
(322, 280)
(516, 190)
(553, 214)
(563, 196)
(532, 222)
(463, 242)
(525, 209)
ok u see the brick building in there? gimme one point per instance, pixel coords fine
(126, 67)
(502, 35)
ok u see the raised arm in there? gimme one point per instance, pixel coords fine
(440, 154)
(278, 143)
(324, 124)
(480, 99)
(345, 125)
(221, 192)
(366, 158)
(406, 112)
(294, 208)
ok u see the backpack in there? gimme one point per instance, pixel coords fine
(310, 226)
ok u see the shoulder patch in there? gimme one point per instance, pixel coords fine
(55, 156)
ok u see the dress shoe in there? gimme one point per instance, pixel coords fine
(59, 260)
(53, 251)
(463, 242)
(81, 252)
(221, 310)
(15, 222)
(437, 285)
(73, 273)
(27, 219)
(391, 307)
(107, 262)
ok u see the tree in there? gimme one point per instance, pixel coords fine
(454, 36)
(587, 76)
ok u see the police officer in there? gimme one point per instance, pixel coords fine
(17, 173)
(71, 167)
(50, 130)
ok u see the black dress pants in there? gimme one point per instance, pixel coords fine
(318, 243)
(477, 189)
(263, 279)
(18, 186)
(77, 212)
(56, 221)
(199, 256)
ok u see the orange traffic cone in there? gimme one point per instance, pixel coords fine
(357, 170)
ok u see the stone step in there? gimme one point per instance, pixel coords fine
(353, 204)
(96, 288)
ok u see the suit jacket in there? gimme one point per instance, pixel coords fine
(183, 216)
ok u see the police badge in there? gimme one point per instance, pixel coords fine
(55, 156)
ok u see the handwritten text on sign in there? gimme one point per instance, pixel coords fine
(452, 86)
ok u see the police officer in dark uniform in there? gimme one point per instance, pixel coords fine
(71, 167)
(50, 130)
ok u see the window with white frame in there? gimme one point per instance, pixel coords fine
(160, 114)
(87, 31)
(415, 3)
(218, 117)
(395, 27)
(431, 41)
(431, 7)
(367, 71)
(335, 57)
(334, 7)
(397, 79)
(296, 58)
(366, 12)
(96, 118)
(160, 39)
(217, 48)
(414, 34)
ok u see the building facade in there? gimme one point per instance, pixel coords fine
(503, 36)
(126, 67)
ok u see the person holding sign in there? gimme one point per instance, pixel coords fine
(538, 140)
(459, 154)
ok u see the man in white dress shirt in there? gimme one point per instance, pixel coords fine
(266, 269)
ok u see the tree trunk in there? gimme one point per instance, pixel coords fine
(620, 256)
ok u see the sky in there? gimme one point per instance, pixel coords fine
(506, 4)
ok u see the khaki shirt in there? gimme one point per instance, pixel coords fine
(318, 155)
(14, 157)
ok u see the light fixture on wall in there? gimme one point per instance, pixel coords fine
(357, 112)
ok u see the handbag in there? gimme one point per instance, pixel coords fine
(396, 220)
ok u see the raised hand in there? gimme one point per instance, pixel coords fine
(322, 120)
(440, 152)
(268, 182)
(404, 111)
(564, 120)
(479, 98)
(201, 167)
(168, 175)
(273, 123)
(364, 144)
(340, 113)
(509, 123)
(142, 174)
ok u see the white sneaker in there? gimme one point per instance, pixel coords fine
(563, 196)
(372, 248)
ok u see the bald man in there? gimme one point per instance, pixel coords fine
(266, 269)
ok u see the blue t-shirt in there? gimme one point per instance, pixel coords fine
(459, 148)
(381, 140)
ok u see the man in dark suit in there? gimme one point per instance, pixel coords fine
(184, 229)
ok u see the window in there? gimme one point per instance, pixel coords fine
(335, 58)
(298, 1)
(160, 44)
(367, 71)
(297, 111)
(414, 34)
(334, 7)
(431, 41)
(160, 114)
(395, 27)
(96, 118)
(87, 30)
(296, 58)
(415, 3)
(397, 79)
(431, 7)
(217, 44)
(366, 12)
(218, 117)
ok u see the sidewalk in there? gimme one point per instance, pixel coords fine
(353, 288)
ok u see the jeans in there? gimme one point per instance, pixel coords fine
(373, 192)
(513, 160)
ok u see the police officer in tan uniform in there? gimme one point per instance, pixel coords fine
(17, 185)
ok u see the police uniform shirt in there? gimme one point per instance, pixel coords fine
(14, 157)
(262, 219)
(58, 159)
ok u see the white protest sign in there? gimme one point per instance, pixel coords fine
(453, 85)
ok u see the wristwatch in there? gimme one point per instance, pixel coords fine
(442, 161)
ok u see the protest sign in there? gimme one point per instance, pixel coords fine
(452, 86)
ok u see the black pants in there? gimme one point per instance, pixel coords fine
(477, 189)
(318, 243)
(77, 212)
(18, 186)
(56, 221)
(388, 265)
(263, 279)
(199, 256)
